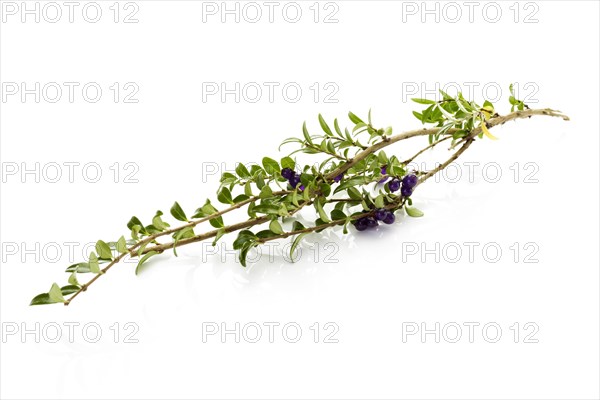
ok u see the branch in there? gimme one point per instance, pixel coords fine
(134, 250)
(422, 132)
(448, 162)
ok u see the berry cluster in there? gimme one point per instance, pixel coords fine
(383, 215)
(408, 184)
(292, 177)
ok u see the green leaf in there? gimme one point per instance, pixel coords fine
(445, 95)
(122, 245)
(348, 183)
(397, 170)
(143, 260)
(305, 133)
(295, 244)
(294, 196)
(358, 126)
(266, 233)
(379, 203)
(337, 215)
(266, 208)
(206, 210)
(103, 250)
(354, 194)
(41, 299)
(134, 221)
(321, 211)
(158, 222)
(224, 196)
(248, 189)
(446, 114)
(259, 180)
(184, 233)
(423, 101)
(93, 263)
(354, 118)
(488, 106)
(80, 268)
(324, 126)
(219, 235)
(239, 198)
(265, 192)
(290, 140)
(242, 171)
(69, 289)
(177, 212)
(337, 128)
(413, 212)
(73, 279)
(288, 162)
(135, 230)
(297, 226)
(244, 252)
(325, 189)
(275, 226)
(320, 222)
(55, 294)
(217, 222)
(283, 211)
(270, 165)
(243, 237)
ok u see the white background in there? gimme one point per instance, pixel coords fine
(370, 286)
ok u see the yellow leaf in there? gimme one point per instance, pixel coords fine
(486, 132)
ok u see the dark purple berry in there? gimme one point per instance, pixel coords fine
(394, 185)
(389, 218)
(338, 178)
(381, 214)
(295, 180)
(361, 224)
(383, 172)
(371, 222)
(410, 181)
(302, 187)
(287, 173)
(406, 191)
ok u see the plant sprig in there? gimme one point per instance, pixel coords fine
(353, 184)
